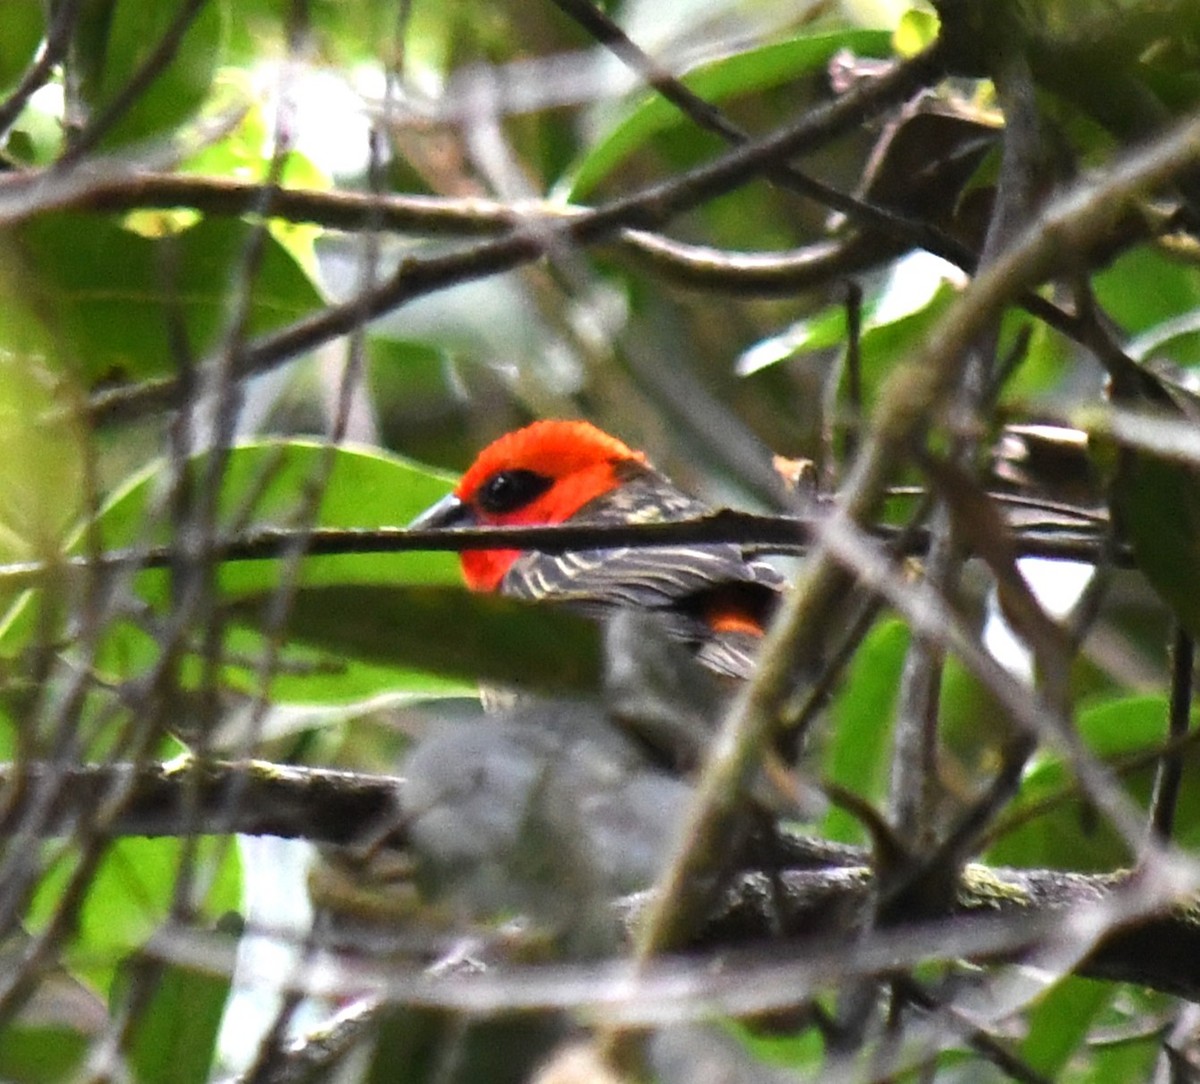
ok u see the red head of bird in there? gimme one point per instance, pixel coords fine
(542, 474)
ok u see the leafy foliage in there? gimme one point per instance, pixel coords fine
(270, 275)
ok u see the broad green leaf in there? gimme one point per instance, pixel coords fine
(1069, 834)
(1142, 289)
(407, 379)
(1155, 499)
(114, 41)
(822, 330)
(861, 724)
(1159, 507)
(36, 1054)
(269, 483)
(245, 153)
(803, 1050)
(741, 73)
(449, 631)
(1174, 340)
(318, 677)
(175, 1033)
(1047, 356)
(889, 340)
(971, 724)
(42, 450)
(1131, 1057)
(109, 297)
(130, 896)
(24, 25)
(1060, 1022)
(889, 332)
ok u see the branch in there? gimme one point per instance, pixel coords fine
(645, 209)
(1158, 951)
(708, 117)
(1067, 538)
(27, 194)
(253, 798)
(823, 886)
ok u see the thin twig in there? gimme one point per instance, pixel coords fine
(1169, 780)
(988, 1046)
(915, 743)
(708, 117)
(1057, 540)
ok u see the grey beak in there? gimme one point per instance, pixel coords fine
(448, 512)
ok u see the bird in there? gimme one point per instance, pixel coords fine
(713, 597)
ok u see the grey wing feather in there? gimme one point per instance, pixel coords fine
(666, 579)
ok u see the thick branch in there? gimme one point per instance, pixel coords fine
(821, 890)
(1159, 951)
(248, 798)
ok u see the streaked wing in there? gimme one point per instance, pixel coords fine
(679, 582)
(659, 577)
(729, 653)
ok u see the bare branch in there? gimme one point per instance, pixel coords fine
(250, 797)
(646, 209)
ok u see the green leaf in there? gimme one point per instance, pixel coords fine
(800, 1050)
(972, 725)
(1130, 1058)
(269, 483)
(24, 26)
(49, 1054)
(820, 331)
(1040, 372)
(330, 683)
(41, 447)
(890, 339)
(741, 73)
(861, 729)
(175, 1034)
(129, 897)
(888, 334)
(112, 296)
(1157, 502)
(1069, 834)
(1060, 1022)
(1122, 290)
(119, 38)
(450, 631)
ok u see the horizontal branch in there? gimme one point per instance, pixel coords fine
(649, 208)
(25, 195)
(351, 211)
(1058, 537)
(1152, 951)
(1158, 951)
(252, 797)
(821, 887)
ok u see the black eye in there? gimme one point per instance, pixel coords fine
(508, 490)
